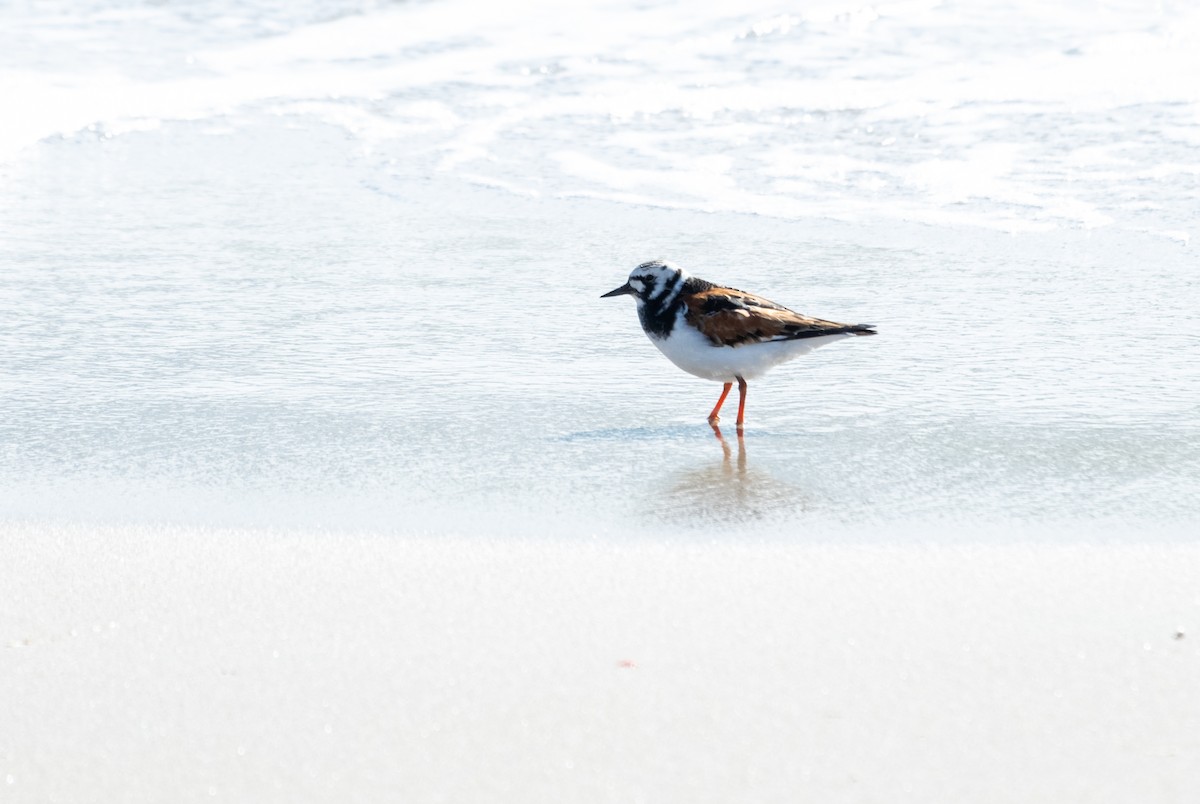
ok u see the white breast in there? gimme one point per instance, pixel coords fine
(695, 354)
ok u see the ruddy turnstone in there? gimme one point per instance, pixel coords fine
(720, 333)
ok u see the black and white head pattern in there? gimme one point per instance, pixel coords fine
(656, 286)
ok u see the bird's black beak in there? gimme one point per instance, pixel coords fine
(624, 290)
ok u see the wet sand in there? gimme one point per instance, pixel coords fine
(152, 664)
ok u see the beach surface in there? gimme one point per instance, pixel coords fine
(154, 663)
(327, 475)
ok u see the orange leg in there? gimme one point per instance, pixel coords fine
(713, 418)
(741, 402)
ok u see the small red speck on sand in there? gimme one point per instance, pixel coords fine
(627, 663)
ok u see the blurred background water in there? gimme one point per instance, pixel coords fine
(338, 264)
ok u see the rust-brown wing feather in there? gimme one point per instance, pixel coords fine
(730, 317)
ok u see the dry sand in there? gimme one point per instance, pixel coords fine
(164, 664)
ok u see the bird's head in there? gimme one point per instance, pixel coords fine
(650, 280)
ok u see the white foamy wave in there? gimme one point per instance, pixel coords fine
(1016, 116)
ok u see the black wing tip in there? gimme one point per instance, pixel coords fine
(820, 332)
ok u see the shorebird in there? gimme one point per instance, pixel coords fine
(720, 333)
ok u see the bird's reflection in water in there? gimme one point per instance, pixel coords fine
(726, 492)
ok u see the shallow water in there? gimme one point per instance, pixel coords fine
(270, 264)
